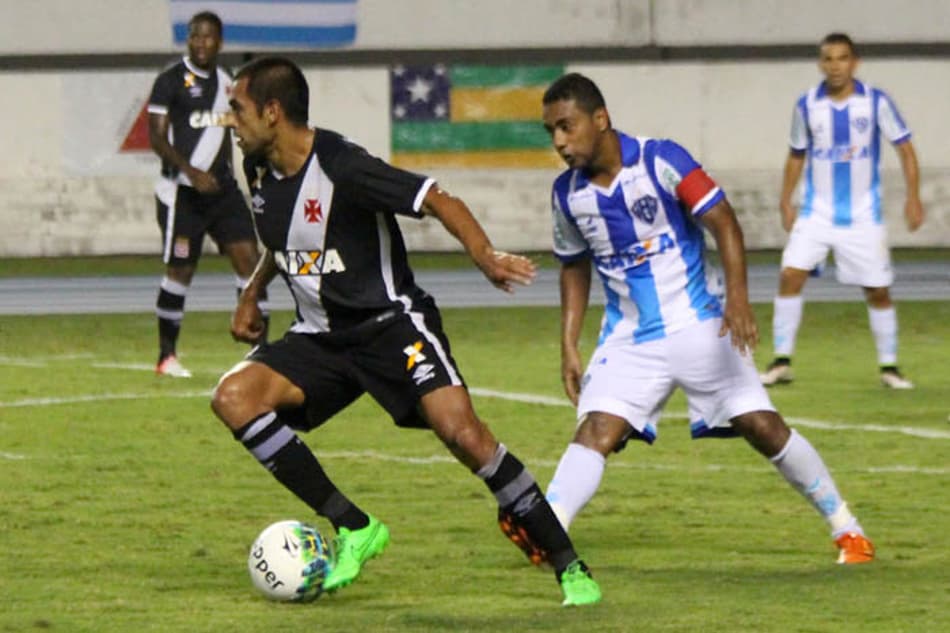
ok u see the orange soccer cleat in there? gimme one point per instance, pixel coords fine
(854, 548)
(519, 536)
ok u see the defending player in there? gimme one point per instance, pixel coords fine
(326, 213)
(634, 208)
(836, 129)
(197, 193)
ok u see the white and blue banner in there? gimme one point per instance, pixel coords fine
(273, 23)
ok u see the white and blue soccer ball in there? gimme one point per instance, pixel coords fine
(289, 562)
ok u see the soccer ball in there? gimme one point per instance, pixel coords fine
(289, 562)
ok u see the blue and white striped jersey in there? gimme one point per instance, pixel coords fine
(842, 142)
(646, 247)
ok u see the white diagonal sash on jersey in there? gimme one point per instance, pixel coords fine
(310, 236)
(208, 146)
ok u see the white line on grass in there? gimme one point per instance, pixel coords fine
(41, 360)
(13, 362)
(794, 421)
(48, 402)
(132, 366)
(447, 459)
(503, 395)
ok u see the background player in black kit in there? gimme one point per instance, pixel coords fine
(325, 211)
(197, 193)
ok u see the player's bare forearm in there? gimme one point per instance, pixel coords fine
(738, 317)
(502, 269)
(575, 294)
(790, 176)
(247, 322)
(263, 274)
(913, 207)
(158, 139)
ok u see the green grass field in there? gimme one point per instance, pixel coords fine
(151, 264)
(127, 507)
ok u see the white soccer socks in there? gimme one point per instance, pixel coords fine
(803, 468)
(884, 329)
(575, 481)
(786, 317)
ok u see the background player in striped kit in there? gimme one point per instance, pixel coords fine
(197, 193)
(836, 138)
(326, 213)
(635, 208)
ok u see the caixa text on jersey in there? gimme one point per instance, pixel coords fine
(303, 263)
(637, 253)
(199, 119)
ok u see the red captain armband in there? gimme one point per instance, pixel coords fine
(694, 187)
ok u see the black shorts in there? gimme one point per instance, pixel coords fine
(223, 215)
(397, 359)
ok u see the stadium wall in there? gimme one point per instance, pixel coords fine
(709, 73)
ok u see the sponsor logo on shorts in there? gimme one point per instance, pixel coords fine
(182, 247)
(424, 372)
(309, 263)
(413, 354)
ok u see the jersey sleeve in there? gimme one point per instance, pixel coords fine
(163, 93)
(798, 133)
(890, 121)
(569, 244)
(679, 175)
(376, 185)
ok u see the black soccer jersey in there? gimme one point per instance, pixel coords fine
(195, 102)
(334, 235)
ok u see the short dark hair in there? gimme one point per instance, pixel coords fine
(837, 37)
(210, 18)
(278, 79)
(575, 86)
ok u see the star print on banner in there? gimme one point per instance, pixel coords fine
(420, 93)
(470, 116)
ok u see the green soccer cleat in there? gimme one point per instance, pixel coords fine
(578, 586)
(352, 548)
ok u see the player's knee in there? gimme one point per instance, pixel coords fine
(879, 298)
(791, 281)
(182, 274)
(230, 397)
(764, 430)
(601, 433)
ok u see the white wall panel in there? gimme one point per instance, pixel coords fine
(730, 22)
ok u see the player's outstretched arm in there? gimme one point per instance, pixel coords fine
(738, 317)
(575, 294)
(913, 207)
(502, 269)
(247, 322)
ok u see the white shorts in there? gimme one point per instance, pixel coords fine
(861, 254)
(634, 381)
